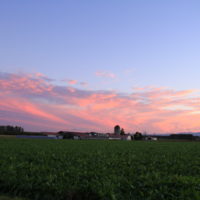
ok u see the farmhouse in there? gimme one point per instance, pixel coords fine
(118, 137)
(151, 138)
(76, 135)
(53, 135)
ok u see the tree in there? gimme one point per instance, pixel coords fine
(138, 136)
(122, 132)
(11, 130)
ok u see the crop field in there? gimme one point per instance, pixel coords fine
(67, 169)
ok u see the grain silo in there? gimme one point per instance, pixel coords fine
(117, 130)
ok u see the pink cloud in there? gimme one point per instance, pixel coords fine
(72, 82)
(33, 101)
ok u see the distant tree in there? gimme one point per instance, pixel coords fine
(138, 136)
(132, 137)
(182, 136)
(122, 132)
(11, 130)
(18, 129)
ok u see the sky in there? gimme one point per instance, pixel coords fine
(89, 65)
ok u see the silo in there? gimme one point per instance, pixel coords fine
(117, 130)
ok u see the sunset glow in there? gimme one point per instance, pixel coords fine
(88, 66)
(29, 98)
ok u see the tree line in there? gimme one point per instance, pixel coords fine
(11, 130)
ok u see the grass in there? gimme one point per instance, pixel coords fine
(9, 198)
(67, 169)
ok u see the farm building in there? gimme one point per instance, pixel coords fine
(117, 130)
(76, 135)
(92, 136)
(126, 137)
(119, 137)
(53, 135)
(151, 138)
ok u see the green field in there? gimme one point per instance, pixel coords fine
(66, 169)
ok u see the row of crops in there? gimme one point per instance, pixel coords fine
(66, 169)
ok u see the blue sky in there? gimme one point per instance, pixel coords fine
(106, 45)
(157, 42)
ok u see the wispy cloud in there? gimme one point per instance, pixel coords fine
(41, 76)
(105, 74)
(34, 102)
(75, 82)
(72, 82)
(85, 84)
